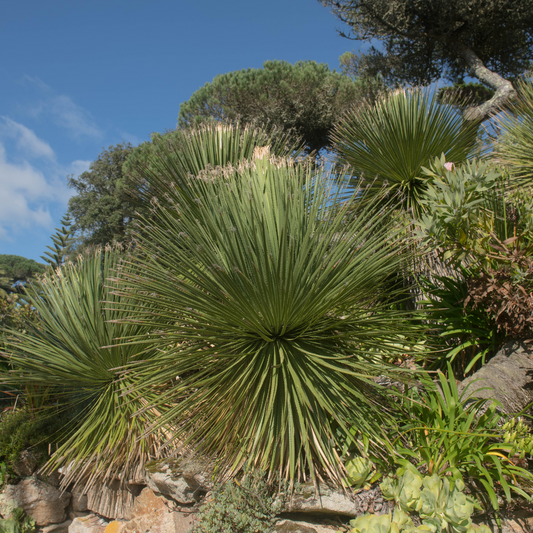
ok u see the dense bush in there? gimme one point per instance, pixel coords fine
(245, 506)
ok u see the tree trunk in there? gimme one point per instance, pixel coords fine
(504, 88)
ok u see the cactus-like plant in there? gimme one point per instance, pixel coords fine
(358, 470)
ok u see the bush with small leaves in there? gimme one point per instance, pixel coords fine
(244, 506)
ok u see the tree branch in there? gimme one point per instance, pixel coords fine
(504, 88)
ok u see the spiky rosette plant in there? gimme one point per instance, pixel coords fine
(80, 353)
(271, 313)
(169, 159)
(388, 143)
(515, 144)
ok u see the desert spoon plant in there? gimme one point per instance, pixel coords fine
(269, 303)
(80, 354)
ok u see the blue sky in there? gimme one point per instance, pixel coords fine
(80, 76)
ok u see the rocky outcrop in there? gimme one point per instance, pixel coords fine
(183, 480)
(44, 503)
(88, 524)
(156, 514)
(507, 378)
(112, 500)
(331, 501)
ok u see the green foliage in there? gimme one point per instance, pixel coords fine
(358, 470)
(464, 336)
(519, 435)
(268, 304)
(101, 208)
(465, 210)
(79, 355)
(467, 93)
(515, 143)
(421, 42)
(15, 268)
(63, 242)
(19, 523)
(15, 313)
(388, 144)
(239, 507)
(471, 216)
(305, 99)
(170, 159)
(460, 437)
(439, 503)
(22, 429)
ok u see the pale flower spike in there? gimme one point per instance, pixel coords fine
(449, 166)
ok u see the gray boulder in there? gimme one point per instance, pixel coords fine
(507, 378)
(184, 480)
(44, 503)
(330, 501)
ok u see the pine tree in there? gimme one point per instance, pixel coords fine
(63, 241)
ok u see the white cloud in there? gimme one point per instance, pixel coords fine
(24, 193)
(27, 193)
(26, 139)
(63, 111)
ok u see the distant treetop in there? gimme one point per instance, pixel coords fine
(424, 41)
(306, 98)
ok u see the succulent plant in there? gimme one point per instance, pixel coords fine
(371, 523)
(358, 470)
(440, 504)
(519, 436)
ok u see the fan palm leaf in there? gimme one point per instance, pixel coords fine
(515, 144)
(389, 143)
(72, 354)
(270, 315)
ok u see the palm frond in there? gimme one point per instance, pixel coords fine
(389, 143)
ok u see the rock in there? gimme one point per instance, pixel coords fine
(183, 480)
(77, 514)
(78, 501)
(88, 524)
(509, 376)
(521, 522)
(336, 502)
(302, 526)
(57, 528)
(288, 526)
(156, 514)
(44, 503)
(113, 500)
(114, 527)
(53, 478)
(26, 464)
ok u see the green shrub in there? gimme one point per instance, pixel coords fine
(80, 353)
(19, 523)
(239, 507)
(25, 429)
(388, 144)
(271, 309)
(463, 336)
(439, 504)
(462, 438)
